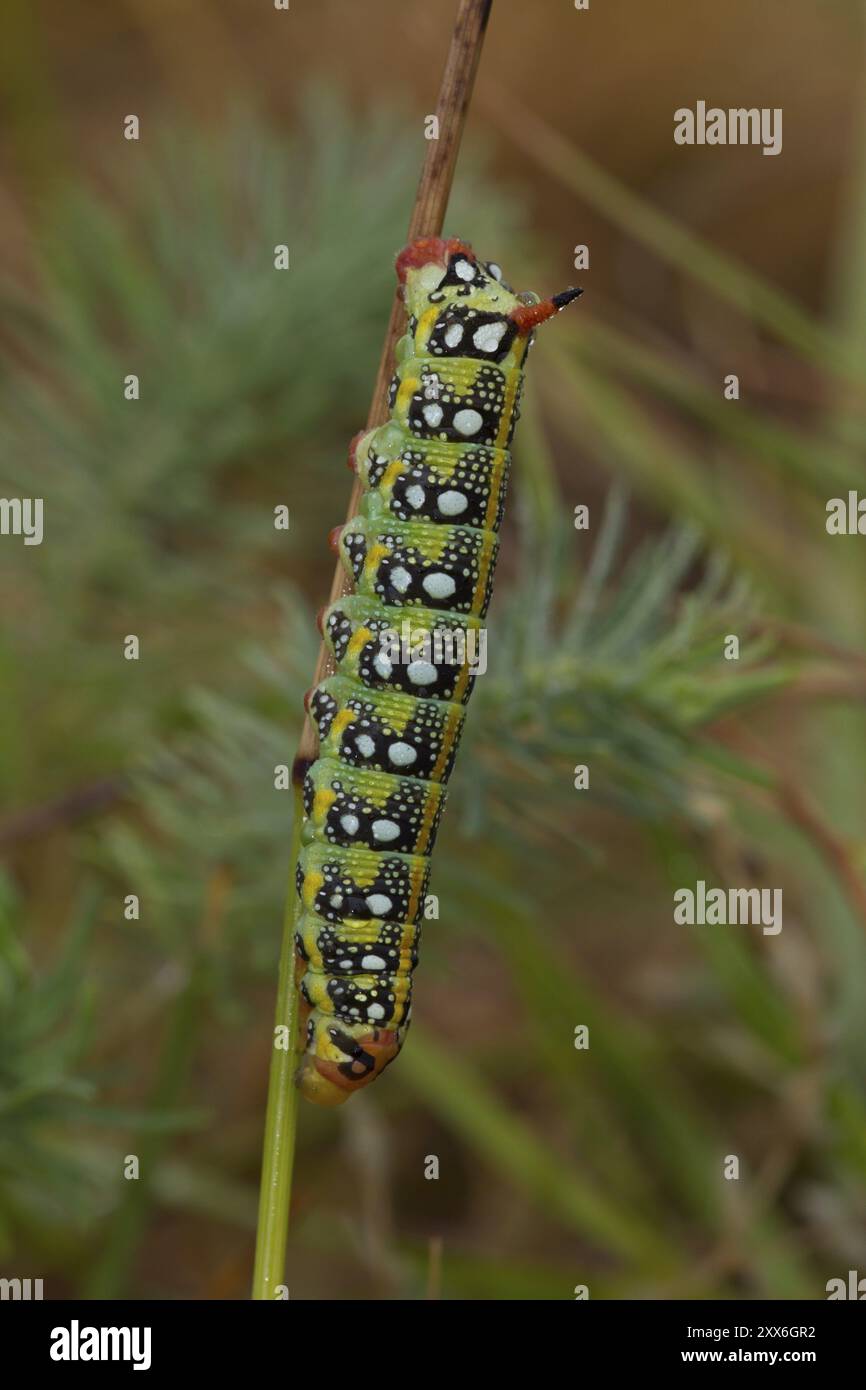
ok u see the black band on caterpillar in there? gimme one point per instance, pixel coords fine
(422, 554)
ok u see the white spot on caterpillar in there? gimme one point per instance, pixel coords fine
(382, 665)
(400, 579)
(365, 745)
(452, 503)
(488, 337)
(373, 963)
(385, 830)
(453, 334)
(421, 672)
(345, 965)
(375, 1011)
(468, 422)
(350, 824)
(336, 900)
(402, 754)
(379, 904)
(495, 270)
(438, 585)
(465, 270)
(415, 496)
(432, 415)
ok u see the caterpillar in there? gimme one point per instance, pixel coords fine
(421, 554)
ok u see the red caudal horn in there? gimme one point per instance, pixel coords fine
(529, 316)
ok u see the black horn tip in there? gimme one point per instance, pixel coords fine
(566, 297)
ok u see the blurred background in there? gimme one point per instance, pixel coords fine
(151, 1036)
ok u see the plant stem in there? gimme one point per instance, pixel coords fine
(428, 214)
(279, 1142)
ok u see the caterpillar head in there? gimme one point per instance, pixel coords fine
(341, 1057)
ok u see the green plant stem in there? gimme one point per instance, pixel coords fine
(280, 1122)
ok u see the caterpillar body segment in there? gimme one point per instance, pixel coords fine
(425, 480)
(407, 646)
(359, 998)
(347, 885)
(421, 563)
(413, 651)
(386, 731)
(376, 810)
(357, 948)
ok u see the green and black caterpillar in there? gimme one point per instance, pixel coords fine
(422, 554)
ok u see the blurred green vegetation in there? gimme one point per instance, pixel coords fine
(152, 1036)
